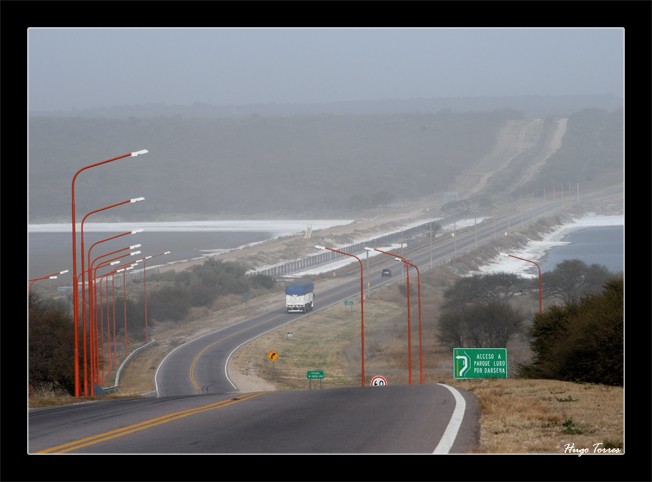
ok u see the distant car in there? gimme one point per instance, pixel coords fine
(386, 272)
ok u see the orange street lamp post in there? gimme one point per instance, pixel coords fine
(83, 281)
(420, 323)
(48, 276)
(93, 337)
(90, 275)
(361, 306)
(94, 346)
(93, 319)
(75, 280)
(145, 288)
(409, 329)
(540, 283)
(124, 299)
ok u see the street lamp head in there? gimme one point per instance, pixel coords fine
(320, 247)
(63, 272)
(134, 253)
(135, 200)
(135, 246)
(167, 252)
(399, 260)
(504, 254)
(114, 263)
(136, 231)
(138, 153)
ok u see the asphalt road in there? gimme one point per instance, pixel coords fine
(418, 419)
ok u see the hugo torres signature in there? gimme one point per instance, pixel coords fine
(596, 448)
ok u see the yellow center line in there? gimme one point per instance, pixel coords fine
(121, 432)
(195, 360)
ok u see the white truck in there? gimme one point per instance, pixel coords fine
(300, 296)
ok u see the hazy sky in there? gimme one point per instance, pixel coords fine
(86, 67)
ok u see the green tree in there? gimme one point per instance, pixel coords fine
(169, 303)
(51, 347)
(581, 341)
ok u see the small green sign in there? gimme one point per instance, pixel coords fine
(348, 302)
(479, 363)
(315, 374)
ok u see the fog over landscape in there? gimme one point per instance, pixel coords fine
(315, 122)
(244, 159)
(245, 66)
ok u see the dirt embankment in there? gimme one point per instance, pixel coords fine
(522, 146)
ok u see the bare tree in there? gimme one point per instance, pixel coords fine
(572, 279)
(479, 325)
(482, 288)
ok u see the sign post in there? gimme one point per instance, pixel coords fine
(378, 381)
(312, 375)
(273, 355)
(479, 363)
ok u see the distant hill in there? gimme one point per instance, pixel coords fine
(319, 165)
(528, 105)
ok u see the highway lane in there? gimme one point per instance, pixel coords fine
(201, 365)
(419, 419)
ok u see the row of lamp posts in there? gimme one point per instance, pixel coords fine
(91, 358)
(407, 265)
(92, 273)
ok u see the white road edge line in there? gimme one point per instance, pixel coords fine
(450, 434)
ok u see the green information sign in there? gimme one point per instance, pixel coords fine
(479, 363)
(315, 374)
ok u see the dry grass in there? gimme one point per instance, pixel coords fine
(547, 416)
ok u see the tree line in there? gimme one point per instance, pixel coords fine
(578, 337)
(170, 297)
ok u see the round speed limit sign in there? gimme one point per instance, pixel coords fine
(378, 381)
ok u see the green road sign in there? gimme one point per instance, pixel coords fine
(348, 302)
(479, 363)
(315, 374)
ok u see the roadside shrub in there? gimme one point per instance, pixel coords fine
(169, 303)
(51, 347)
(581, 342)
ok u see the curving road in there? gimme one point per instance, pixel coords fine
(419, 419)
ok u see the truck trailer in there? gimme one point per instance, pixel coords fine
(299, 297)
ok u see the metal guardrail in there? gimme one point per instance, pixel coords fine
(324, 258)
(123, 365)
